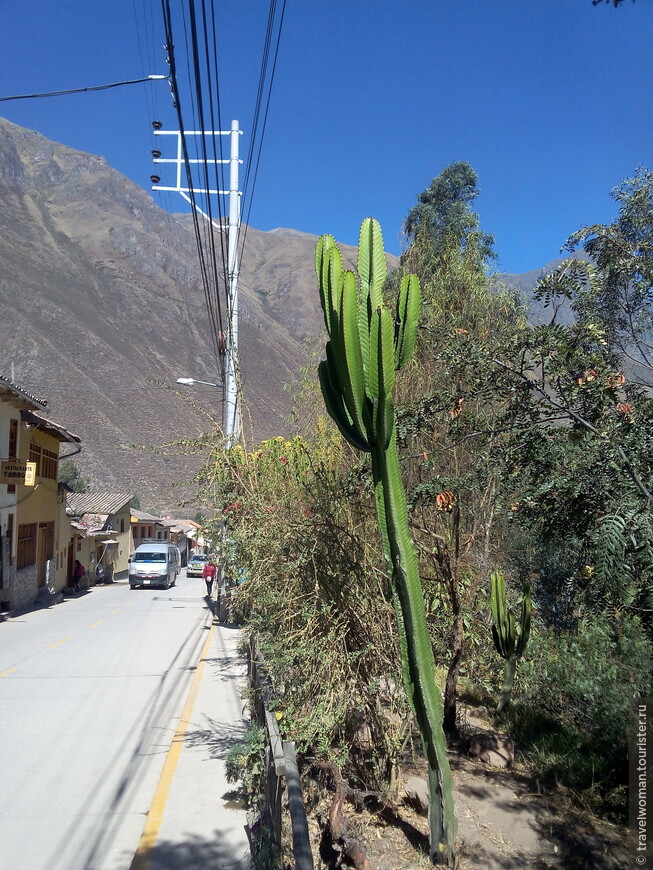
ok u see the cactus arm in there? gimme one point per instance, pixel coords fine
(382, 375)
(364, 334)
(525, 633)
(337, 411)
(351, 347)
(375, 357)
(371, 261)
(498, 645)
(325, 244)
(498, 598)
(407, 319)
(503, 629)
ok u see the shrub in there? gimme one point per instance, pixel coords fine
(577, 694)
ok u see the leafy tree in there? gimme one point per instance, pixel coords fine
(443, 217)
(619, 299)
(583, 455)
(70, 474)
(449, 407)
(135, 503)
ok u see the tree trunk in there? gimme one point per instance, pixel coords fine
(451, 685)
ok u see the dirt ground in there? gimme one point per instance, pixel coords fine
(503, 824)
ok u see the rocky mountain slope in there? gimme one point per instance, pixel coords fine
(102, 308)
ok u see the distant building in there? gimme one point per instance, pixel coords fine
(102, 522)
(147, 527)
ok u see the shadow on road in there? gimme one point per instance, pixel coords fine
(198, 853)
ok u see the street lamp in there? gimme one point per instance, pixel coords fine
(188, 382)
(231, 423)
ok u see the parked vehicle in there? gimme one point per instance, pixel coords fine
(196, 565)
(155, 564)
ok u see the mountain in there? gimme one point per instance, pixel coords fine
(102, 308)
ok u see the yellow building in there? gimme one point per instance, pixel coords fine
(43, 533)
(35, 531)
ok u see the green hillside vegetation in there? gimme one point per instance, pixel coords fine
(523, 450)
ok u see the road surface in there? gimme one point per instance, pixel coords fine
(91, 695)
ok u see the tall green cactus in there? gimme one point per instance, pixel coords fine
(366, 345)
(504, 633)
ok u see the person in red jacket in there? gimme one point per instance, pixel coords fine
(78, 574)
(208, 573)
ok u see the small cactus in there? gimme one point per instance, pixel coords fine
(504, 633)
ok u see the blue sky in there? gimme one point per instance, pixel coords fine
(551, 101)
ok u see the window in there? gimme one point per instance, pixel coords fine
(35, 456)
(26, 549)
(122, 525)
(12, 453)
(49, 464)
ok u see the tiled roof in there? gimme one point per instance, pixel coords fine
(50, 427)
(17, 396)
(79, 503)
(188, 524)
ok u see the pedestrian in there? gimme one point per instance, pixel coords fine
(208, 573)
(78, 573)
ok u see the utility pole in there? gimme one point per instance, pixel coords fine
(231, 410)
(231, 404)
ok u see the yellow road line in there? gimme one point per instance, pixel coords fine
(117, 610)
(5, 673)
(143, 856)
(65, 640)
(93, 624)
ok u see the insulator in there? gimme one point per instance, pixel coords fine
(157, 125)
(156, 153)
(155, 179)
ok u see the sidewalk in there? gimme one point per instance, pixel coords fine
(195, 821)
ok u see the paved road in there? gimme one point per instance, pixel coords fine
(95, 693)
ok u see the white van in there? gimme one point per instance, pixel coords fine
(155, 564)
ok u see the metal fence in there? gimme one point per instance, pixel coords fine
(283, 792)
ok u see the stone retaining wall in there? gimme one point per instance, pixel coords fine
(25, 588)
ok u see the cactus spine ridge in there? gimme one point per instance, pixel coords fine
(372, 268)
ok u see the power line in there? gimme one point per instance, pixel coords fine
(258, 105)
(200, 31)
(152, 78)
(215, 322)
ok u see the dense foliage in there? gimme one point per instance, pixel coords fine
(524, 449)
